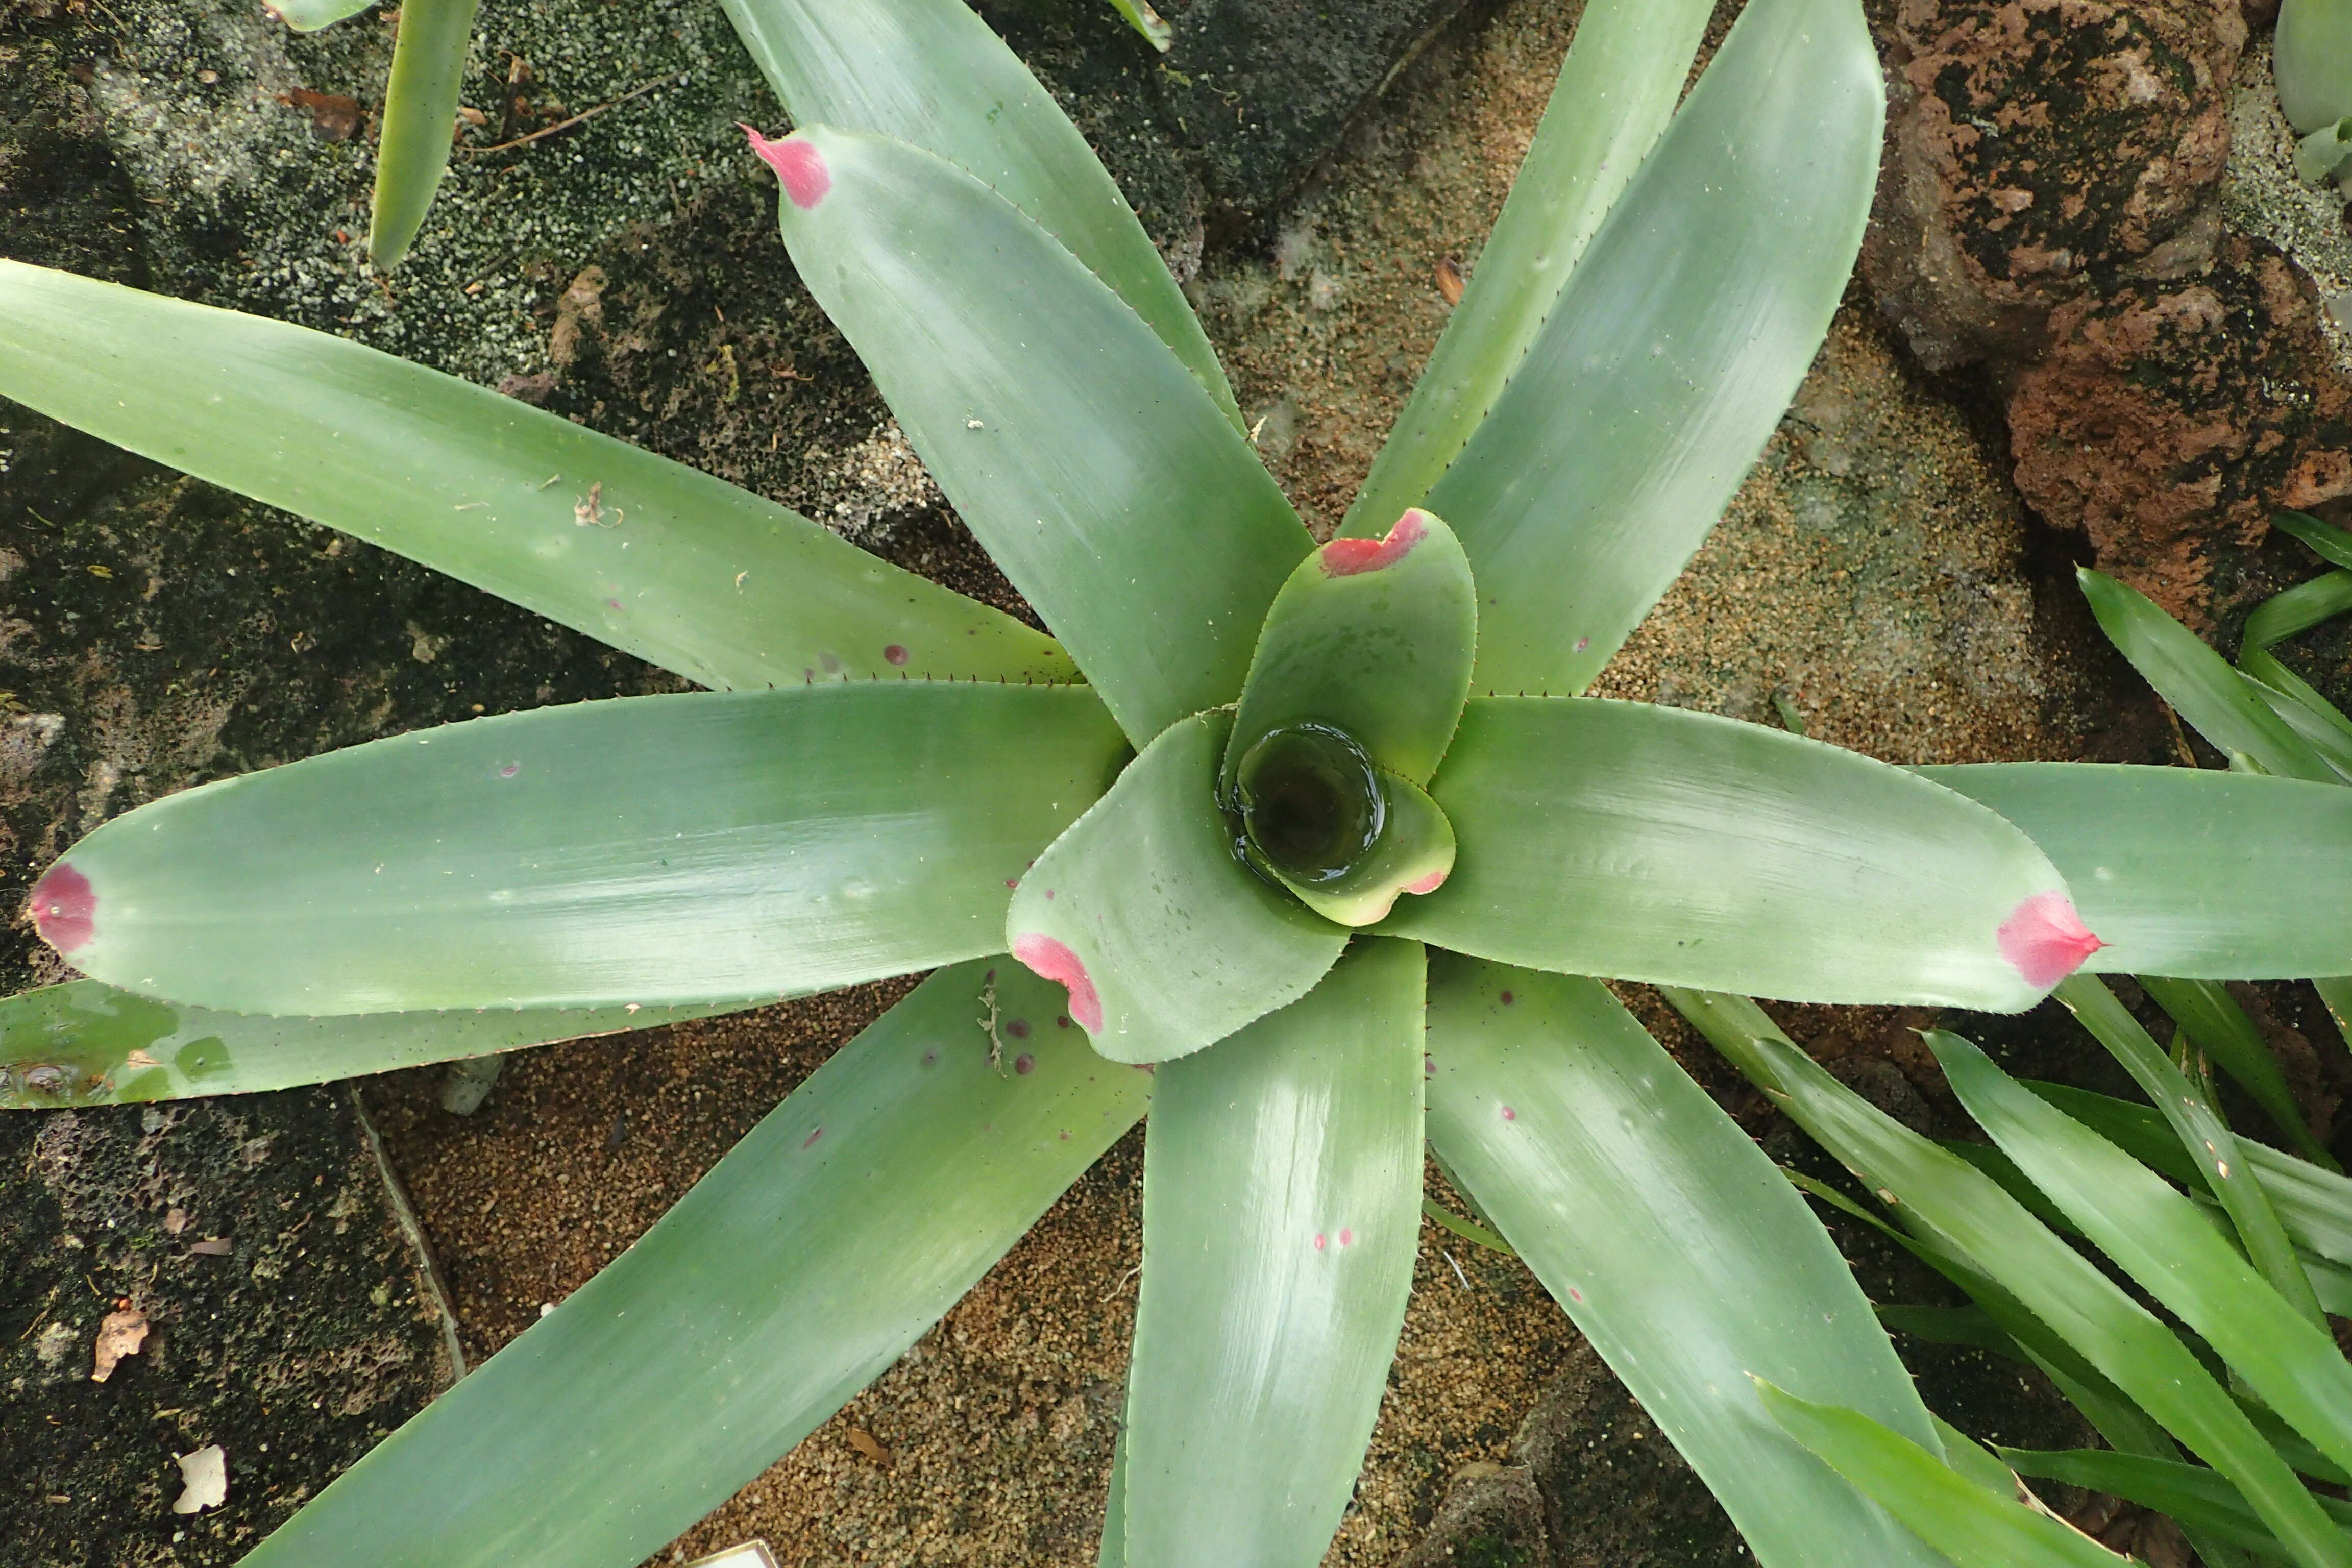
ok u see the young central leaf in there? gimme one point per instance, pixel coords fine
(1310, 801)
(1357, 681)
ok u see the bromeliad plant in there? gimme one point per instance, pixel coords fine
(1292, 772)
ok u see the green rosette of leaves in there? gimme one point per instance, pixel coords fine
(1218, 823)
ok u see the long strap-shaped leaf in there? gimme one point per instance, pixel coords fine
(932, 73)
(2197, 1497)
(1671, 1240)
(1967, 1211)
(420, 110)
(2156, 1236)
(1970, 1523)
(2225, 709)
(1098, 473)
(1281, 1212)
(674, 849)
(801, 1266)
(1616, 91)
(1166, 940)
(2222, 1031)
(1652, 844)
(2186, 871)
(87, 1044)
(2202, 1132)
(673, 566)
(1671, 356)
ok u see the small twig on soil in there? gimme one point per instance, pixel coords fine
(567, 124)
(1458, 1271)
(1121, 1284)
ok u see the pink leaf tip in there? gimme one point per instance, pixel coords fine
(1347, 557)
(796, 162)
(2045, 941)
(65, 910)
(1054, 961)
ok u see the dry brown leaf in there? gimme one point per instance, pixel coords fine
(120, 1335)
(865, 1443)
(1449, 279)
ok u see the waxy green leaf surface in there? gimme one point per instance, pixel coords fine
(674, 849)
(1647, 843)
(1089, 463)
(1375, 638)
(1623, 77)
(87, 1044)
(702, 578)
(932, 73)
(1670, 1240)
(2221, 1029)
(1669, 358)
(1166, 940)
(420, 108)
(807, 1261)
(2184, 871)
(1281, 1214)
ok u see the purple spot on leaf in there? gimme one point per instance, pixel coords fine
(1025, 1064)
(1018, 1028)
(1347, 1239)
(1062, 1021)
(1509, 1114)
(1583, 643)
(509, 770)
(894, 654)
(1574, 1294)
(1319, 1243)
(812, 1137)
(1507, 998)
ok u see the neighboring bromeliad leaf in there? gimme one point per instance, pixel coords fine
(805, 1262)
(1668, 1237)
(2220, 1029)
(420, 108)
(1670, 356)
(309, 15)
(674, 849)
(724, 587)
(1281, 1215)
(83, 1043)
(1970, 1523)
(932, 73)
(2198, 682)
(1651, 844)
(1167, 942)
(2156, 1236)
(2187, 872)
(1096, 471)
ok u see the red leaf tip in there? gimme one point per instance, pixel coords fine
(65, 908)
(1052, 959)
(2045, 941)
(1347, 557)
(796, 162)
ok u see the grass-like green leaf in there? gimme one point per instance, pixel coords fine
(309, 15)
(672, 565)
(1166, 940)
(2198, 682)
(2154, 1235)
(2206, 1137)
(2062, 1291)
(1146, 21)
(2321, 724)
(1623, 77)
(2221, 1027)
(2192, 1495)
(83, 1043)
(420, 116)
(807, 1261)
(665, 850)
(1970, 1524)
(2299, 609)
(1652, 844)
(932, 73)
(1671, 1240)
(1670, 356)
(2185, 871)
(1098, 473)
(2329, 542)
(1376, 637)
(1281, 1188)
